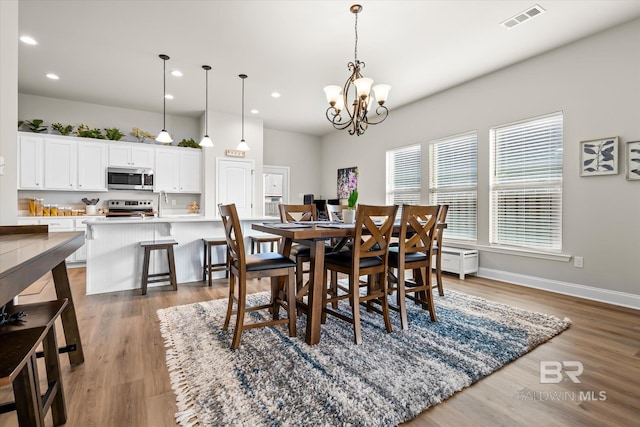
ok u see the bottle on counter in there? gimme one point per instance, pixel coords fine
(46, 210)
(32, 206)
(39, 207)
(54, 210)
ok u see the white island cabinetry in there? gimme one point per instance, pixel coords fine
(114, 255)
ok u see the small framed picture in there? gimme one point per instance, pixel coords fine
(633, 160)
(599, 157)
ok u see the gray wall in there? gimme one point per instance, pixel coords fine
(596, 83)
(8, 109)
(302, 154)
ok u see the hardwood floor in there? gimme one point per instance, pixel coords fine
(124, 380)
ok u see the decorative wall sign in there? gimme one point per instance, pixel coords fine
(633, 160)
(235, 153)
(347, 181)
(599, 157)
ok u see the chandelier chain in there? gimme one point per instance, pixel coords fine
(356, 44)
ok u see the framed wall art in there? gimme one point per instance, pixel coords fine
(633, 160)
(599, 157)
(347, 181)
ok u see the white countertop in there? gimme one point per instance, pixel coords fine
(167, 219)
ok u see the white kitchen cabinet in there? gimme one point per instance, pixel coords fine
(60, 164)
(92, 166)
(177, 170)
(124, 154)
(30, 167)
(57, 223)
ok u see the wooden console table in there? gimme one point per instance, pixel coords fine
(26, 254)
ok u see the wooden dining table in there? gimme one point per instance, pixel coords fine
(29, 252)
(314, 235)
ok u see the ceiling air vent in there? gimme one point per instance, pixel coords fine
(521, 17)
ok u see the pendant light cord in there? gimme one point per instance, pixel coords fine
(206, 103)
(243, 108)
(164, 94)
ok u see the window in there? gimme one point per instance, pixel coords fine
(403, 176)
(526, 184)
(453, 180)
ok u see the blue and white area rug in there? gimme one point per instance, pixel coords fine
(391, 378)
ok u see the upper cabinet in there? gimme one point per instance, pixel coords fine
(125, 154)
(30, 166)
(61, 163)
(177, 170)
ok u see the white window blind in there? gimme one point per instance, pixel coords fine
(403, 175)
(526, 184)
(453, 180)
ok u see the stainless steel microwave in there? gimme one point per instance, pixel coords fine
(129, 179)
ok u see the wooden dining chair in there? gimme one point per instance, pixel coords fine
(437, 244)
(334, 212)
(413, 253)
(300, 253)
(243, 267)
(368, 257)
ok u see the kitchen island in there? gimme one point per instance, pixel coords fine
(114, 256)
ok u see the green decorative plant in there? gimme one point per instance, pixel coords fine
(353, 199)
(20, 123)
(35, 125)
(85, 132)
(141, 135)
(60, 128)
(113, 134)
(189, 143)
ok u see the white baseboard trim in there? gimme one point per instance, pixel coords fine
(596, 294)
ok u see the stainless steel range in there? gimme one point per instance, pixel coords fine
(124, 208)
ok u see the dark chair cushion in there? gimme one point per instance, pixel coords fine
(410, 257)
(267, 261)
(300, 250)
(343, 258)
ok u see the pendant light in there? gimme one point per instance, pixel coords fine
(164, 135)
(206, 141)
(243, 145)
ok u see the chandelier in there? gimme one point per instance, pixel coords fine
(358, 110)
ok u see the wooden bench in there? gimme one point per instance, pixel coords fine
(18, 363)
(158, 277)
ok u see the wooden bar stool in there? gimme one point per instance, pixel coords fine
(259, 240)
(208, 267)
(18, 364)
(158, 277)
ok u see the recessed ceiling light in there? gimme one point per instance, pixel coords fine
(254, 111)
(521, 17)
(176, 73)
(28, 40)
(168, 96)
(53, 76)
(275, 94)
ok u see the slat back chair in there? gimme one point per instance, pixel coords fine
(417, 232)
(368, 256)
(442, 219)
(334, 212)
(293, 213)
(300, 253)
(243, 267)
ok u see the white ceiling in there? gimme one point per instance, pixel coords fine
(106, 52)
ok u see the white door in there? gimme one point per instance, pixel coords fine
(235, 184)
(276, 188)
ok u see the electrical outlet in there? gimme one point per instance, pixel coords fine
(1, 165)
(301, 195)
(173, 202)
(578, 261)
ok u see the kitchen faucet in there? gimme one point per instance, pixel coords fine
(166, 200)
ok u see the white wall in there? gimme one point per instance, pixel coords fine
(8, 109)
(302, 154)
(596, 83)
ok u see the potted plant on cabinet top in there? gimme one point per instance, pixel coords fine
(61, 129)
(113, 134)
(35, 125)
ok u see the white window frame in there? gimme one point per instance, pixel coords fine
(520, 224)
(410, 193)
(453, 180)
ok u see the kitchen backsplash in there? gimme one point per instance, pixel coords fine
(178, 204)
